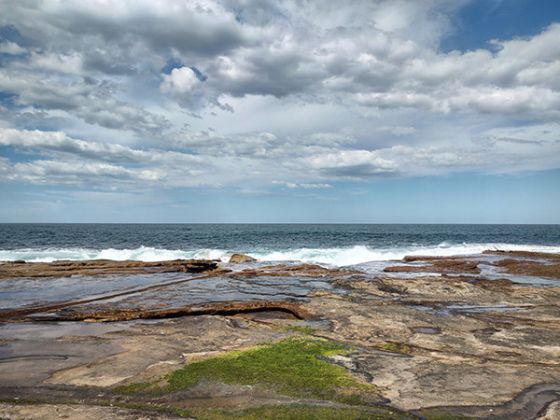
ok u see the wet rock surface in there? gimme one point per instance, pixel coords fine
(475, 336)
(16, 269)
(431, 265)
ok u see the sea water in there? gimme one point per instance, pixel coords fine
(330, 244)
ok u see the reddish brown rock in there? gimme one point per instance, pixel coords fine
(441, 265)
(86, 313)
(524, 254)
(287, 270)
(529, 268)
(17, 269)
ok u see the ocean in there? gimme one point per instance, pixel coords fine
(330, 244)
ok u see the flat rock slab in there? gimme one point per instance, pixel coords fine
(101, 267)
(110, 313)
(516, 263)
(31, 361)
(22, 292)
(166, 292)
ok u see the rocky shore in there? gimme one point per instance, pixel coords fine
(421, 338)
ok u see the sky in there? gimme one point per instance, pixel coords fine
(378, 111)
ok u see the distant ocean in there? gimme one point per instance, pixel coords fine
(325, 244)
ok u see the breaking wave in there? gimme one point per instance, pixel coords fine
(357, 254)
(362, 254)
(143, 253)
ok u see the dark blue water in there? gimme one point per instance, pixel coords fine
(56, 241)
(270, 236)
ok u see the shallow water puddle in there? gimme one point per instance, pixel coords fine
(53, 330)
(217, 289)
(153, 291)
(22, 292)
(491, 272)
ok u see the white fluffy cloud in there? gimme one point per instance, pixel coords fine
(181, 80)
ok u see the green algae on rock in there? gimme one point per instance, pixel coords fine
(291, 366)
(294, 366)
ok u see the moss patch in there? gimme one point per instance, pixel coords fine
(291, 366)
(302, 412)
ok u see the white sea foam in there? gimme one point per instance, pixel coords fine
(329, 256)
(143, 253)
(361, 254)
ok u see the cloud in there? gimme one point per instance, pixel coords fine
(198, 27)
(58, 143)
(353, 164)
(305, 186)
(181, 80)
(309, 162)
(70, 64)
(379, 54)
(379, 66)
(77, 173)
(320, 94)
(90, 100)
(8, 47)
(79, 162)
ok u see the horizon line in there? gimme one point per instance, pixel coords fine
(275, 223)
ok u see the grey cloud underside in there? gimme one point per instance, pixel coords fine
(93, 102)
(291, 49)
(93, 74)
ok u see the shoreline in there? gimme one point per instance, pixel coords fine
(329, 256)
(423, 336)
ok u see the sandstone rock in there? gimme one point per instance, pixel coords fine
(441, 265)
(92, 314)
(529, 268)
(241, 258)
(16, 269)
(523, 254)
